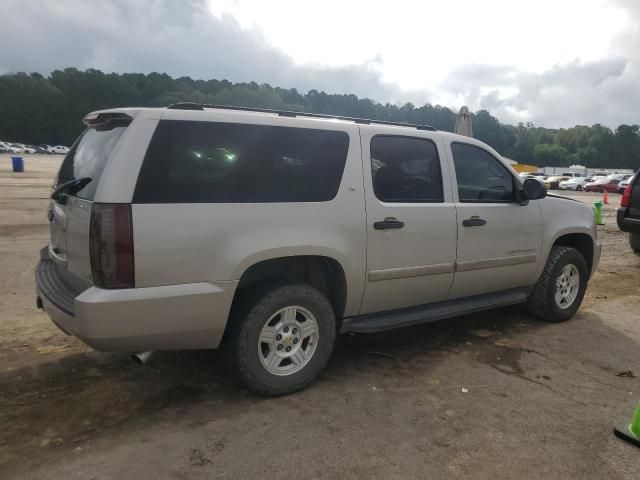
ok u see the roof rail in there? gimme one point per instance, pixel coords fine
(288, 113)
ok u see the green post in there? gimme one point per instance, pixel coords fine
(634, 427)
(597, 211)
(630, 432)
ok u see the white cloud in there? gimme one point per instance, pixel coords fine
(556, 63)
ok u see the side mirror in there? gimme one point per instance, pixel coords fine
(533, 189)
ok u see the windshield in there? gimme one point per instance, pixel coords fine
(88, 157)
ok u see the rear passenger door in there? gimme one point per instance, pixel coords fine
(498, 238)
(411, 219)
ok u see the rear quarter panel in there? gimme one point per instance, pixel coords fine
(208, 242)
(118, 180)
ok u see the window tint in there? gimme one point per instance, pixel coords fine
(227, 162)
(481, 177)
(88, 157)
(405, 169)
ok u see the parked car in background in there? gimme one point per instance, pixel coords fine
(624, 183)
(525, 175)
(46, 147)
(539, 175)
(172, 229)
(9, 148)
(26, 148)
(575, 183)
(60, 149)
(612, 185)
(17, 148)
(553, 183)
(629, 212)
(603, 184)
(40, 150)
(596, 185)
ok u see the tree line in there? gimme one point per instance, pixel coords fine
(37, 109)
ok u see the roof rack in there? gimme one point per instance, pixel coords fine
(288, 113)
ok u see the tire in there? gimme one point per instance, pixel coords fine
(262, 313)
(578, 188)
(542, 300)
(634, 242)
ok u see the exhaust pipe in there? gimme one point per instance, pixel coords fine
(141, 357)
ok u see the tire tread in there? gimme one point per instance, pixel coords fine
(539, 303)
(253, 307)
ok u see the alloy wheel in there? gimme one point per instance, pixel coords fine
(288, 340)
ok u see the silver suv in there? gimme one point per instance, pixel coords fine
(266, 233)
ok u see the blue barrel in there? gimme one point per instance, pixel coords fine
(18, 164)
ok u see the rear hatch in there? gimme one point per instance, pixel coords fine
(75, 188)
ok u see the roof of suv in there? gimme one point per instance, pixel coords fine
(193, 108)
(292, 114)
(281, 113)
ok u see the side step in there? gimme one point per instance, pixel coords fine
(389, 320)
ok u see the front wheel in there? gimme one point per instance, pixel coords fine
(561, 287)
(280, 338)
(579, 188)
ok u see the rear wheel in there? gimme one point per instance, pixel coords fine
(634, 242)
(280, 338)
(579, 188)
(560, 290)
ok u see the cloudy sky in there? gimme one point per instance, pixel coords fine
(552, 62)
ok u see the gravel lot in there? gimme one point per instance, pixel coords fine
(487, 396)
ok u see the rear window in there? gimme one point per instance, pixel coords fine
(207, 162)
(88, 157)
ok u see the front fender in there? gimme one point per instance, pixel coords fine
(563, 216)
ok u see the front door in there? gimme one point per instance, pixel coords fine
(499, 239)
(411, 220)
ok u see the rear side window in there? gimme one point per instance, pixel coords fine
(88, 157)
(207, 162)
(481, 177)
(405, 169)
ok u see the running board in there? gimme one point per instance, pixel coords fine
(389, 320)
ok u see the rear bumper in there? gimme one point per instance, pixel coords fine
(627, 224)
(172, 317)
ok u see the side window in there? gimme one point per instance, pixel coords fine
(481, 176)
(207, 162)
(405, 169)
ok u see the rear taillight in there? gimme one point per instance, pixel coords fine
(111, 246)
(626, 196)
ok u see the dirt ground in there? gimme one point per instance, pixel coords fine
(496, 395)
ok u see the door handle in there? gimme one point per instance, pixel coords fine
(388, 223)
(474, 221)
